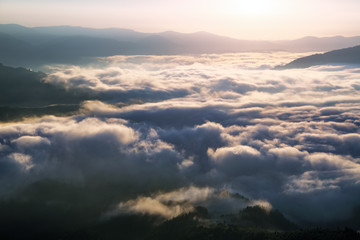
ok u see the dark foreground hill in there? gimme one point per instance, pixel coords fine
(24, 93)
(51, 210)
(346, 56)
(54, 210)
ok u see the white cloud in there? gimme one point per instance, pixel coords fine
(184, 200)
(169, 122)
(30, 141)
(24, 161)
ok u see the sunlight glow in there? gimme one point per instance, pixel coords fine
(242, 19)
(254, 7)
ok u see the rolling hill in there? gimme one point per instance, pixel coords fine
(346, 56)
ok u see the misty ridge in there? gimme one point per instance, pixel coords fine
(128, 135)
(36, 46)
(347, 56)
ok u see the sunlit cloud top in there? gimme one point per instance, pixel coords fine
(246, 19)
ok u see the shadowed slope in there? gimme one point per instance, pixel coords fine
(342, 56)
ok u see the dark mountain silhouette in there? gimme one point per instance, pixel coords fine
(24, 93)
(20, 87)
(346, 56)
(32, 47)
(258, 217)
(50, 209)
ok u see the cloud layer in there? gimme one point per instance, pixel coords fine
(213, 121)
(184, 200)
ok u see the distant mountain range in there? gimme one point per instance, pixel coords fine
(22, 46)
(346, 56)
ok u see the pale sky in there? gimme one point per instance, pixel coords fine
(243, 19)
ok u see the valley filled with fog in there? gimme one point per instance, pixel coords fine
(161, 135)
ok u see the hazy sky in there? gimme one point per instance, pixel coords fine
(246, 19)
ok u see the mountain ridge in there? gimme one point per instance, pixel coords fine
(71, 44)
(64, 27)
(344, 56)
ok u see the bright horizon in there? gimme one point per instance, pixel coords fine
(253, 20)
(118, 135)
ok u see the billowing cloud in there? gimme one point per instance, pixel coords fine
(23, 161)
(227, 121)
(167, 205)
(184, 200)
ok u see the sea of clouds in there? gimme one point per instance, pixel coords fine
(179, 131)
